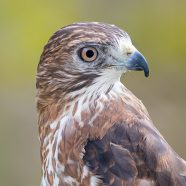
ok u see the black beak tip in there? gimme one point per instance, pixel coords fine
(146, 73)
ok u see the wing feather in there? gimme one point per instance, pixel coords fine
(134, 154)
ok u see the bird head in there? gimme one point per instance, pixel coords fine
(86, 56)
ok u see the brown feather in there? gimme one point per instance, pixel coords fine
(100, 138)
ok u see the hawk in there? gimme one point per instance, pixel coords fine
(93, 131)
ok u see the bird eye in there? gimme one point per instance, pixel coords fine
(89, 54)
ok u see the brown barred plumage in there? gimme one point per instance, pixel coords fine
(93, 130)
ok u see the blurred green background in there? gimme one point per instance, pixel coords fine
(158, 30)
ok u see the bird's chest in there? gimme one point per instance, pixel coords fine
(63, 149)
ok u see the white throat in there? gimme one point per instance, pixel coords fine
(107, 81)
(104, 88)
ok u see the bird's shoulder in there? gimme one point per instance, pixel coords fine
(132, 154)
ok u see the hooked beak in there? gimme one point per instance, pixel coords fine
(136, 61)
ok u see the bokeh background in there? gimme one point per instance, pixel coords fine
(158, 30)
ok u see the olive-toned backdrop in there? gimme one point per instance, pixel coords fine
(158, 30)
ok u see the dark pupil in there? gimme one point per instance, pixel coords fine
(89, 53)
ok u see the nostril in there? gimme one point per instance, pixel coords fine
(129, 53)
